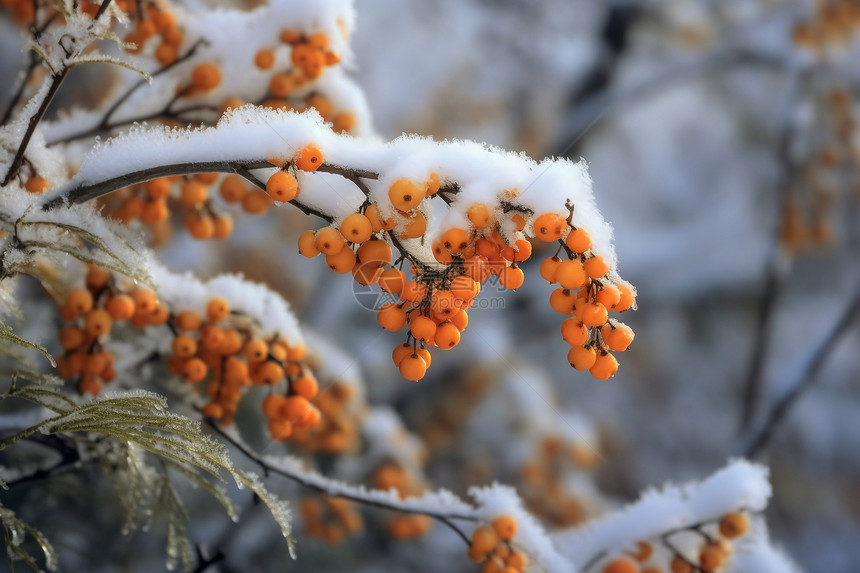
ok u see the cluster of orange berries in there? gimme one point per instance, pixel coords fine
(337, 430)
(835, 23)
(89, 313)
(154, 22)
(491, 545)
(587, 295)
(405, 525)
(543, 481)
(331, 519)
(221, 346)
(713, 554)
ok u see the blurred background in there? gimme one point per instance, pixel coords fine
(723, 147)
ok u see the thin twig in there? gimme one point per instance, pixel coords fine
(759, 440)
(101, 10)
(56, 82)
(19, 91)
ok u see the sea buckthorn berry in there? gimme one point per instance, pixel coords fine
(405, 194)
(206, 178)
(392, 281)
(289, 36)
(96, 363)
(213, 410)
(282, 85)
(518, 561)
(627, 299)
(187, 320)
(487, 248)
(154, 212)
(400, 352)
(206, 76)
(550, 227)
(356, 228)
(519, 221)
(391, 317)
(578, 240)
(505, 526)
(194, 370)
(307, 244)
(329, 241)
(97, 277)
(444, 304)
(282, 186)
(595, 267)
(71, 337)
(256, 202)
(217, 309)
(366, 273)
(231, 342)
(294, 408)
(679, 565)
(415, 226)
(341, 262)
(734, 525)
(594, 314)
(211, 337)
(158, 188)
(441, 254)
(378, 224)
(605, 366)
(477, 268)
(476, 555)
(519, 252)
(272, 405)
(455, 240)
(621, 565)
(305, 386)
(413, 292)
(643, 551)
(264, 59)
(36, 185)
(460, 320)
(464, 288)
(711, 558)
(484, 539)
(166, 54)
(232, 189)
(322, 104)
(267, 373)
(343, 122)
(574, 332)
(97, 322)
(424, 354)
(422, 328)
(222, 225)
(617, 336)
(256, 350)
(570, 274)
(608, 296)
(79, 301)
(447, 336)
(479, 215)
(184, 346)
(375, 251)
(280, 429)
(511, 278)
(89, 385)
(582, 357)
(308, 158)
(562, 300)
(199, 225)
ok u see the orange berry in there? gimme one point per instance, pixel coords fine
(477, 268)
(378, 224)
(393, 281)
(375, 251)
(734, 525)
(366, 273)
(282, 85)
(570, 274)
(441, 254)
(711, 558)
(595, 267)
(294, 408)
(222, 226)
(412, 367)
(36, 185)
(154, 212)
(305, 386)
(344, 122)
(519, 252)
(97, 277)
(605, 366)
(405, 194)
(272, 405)
(679, 565)
(256, 202)
(460, 320)
(511, 278)
(267, 373)
(414, 292)
(447, 336)
(582, 357)
(479, 215)
(356, 228)
(550, 227)
(256, 350)
(415, 226)
(518, 561)
(211, 337)
(194, 370)
(578, 240)
(643, 551)
(562, 300)
(264, 59)
(519, 222)
(280, 429)
(464, 288)
(621, 565)
(89, 385)
(97, 322)
(608, 296)
(71, 337)
(213, 410)
(329, 241)
(487, 248)
(206, 76)
(308, 158)
(617, 336)
(484, 539)
(199, 225)
(455, 240)
(97, 362)
(505, 526)
(187, 320)
(184, 346)
(341, 262)
(79, 301)
(422, 328)
(217, 309)
(391, 317)
(444, 304)
(574, 332)
(627, 298)
(400, 352)
(594, 315)
(158, 188)
(233, 189)
(282, 186)
(193, 193)
(166, 54)
(231, 343)
(307, 246)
